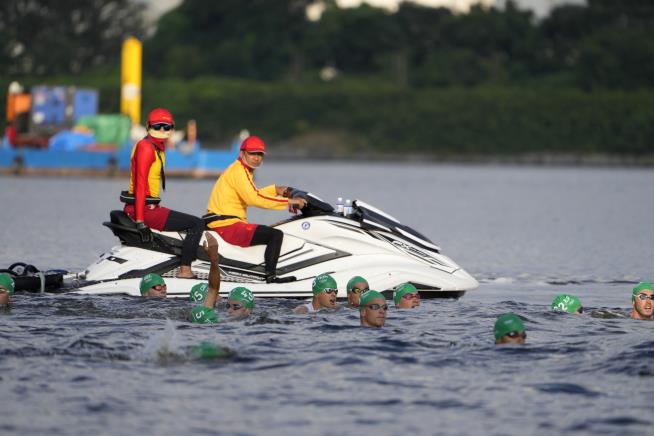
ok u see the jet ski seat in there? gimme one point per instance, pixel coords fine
(124, 228)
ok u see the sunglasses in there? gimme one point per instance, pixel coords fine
(359, 291)
(233, 306)
(410, 296)
(376, 306)
(158, 287)
(159, 126)
(643, 297)
(515, 334)
(330, 291)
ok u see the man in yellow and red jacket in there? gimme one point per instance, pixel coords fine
(142, 199)
(234, 191)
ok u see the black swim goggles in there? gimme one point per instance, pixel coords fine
(330, 291)
(516, 334)
(375, 306)
(233, 306)
(165, 126)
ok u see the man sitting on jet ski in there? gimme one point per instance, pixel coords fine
(142, 200)
(234, 191)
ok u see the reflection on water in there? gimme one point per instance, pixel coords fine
(121, 365)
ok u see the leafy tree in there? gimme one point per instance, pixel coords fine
(247, 38)
(44, 37)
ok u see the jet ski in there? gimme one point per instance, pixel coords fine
(368, 242)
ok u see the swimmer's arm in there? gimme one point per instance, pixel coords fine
(211, 247)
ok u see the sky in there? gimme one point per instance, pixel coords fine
(540, 7)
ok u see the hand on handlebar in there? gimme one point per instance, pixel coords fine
(296, 203)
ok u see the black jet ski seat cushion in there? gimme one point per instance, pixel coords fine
(125, 229)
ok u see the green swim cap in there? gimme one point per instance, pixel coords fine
(642, 286)
(566, 303)
(509, 322)
(199, 292)
(401, 290)
(354, 280)
(322, 282)
(203, 315)
(207, 350)
(244, 295)
(368, 296)
(150, 280)
(7, 282)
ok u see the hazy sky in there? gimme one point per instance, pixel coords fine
(540, 7)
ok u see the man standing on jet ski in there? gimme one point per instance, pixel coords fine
(234, 191)
(142, 199)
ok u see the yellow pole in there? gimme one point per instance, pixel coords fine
(130, 79)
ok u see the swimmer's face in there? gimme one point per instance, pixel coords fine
(374, 313)
(512, 338)
(158, 291)
(4, 296)
(252, 159)
(409, 301)
(327, 299)
(237, 309)
(643, 308)
(354, 294)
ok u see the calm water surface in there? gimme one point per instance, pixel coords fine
(121, 365)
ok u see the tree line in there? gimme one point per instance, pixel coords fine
(603, 44)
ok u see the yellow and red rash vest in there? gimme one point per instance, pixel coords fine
(145, 177)
(235, 190)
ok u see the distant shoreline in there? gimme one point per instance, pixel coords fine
(527, 159)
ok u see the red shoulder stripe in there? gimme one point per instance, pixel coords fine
(247, 174)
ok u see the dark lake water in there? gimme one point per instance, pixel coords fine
(120, 365)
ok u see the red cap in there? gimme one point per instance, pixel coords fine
(253, 144)
(160, 115)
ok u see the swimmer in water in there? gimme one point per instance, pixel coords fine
(567, 303)
(509, 329)
(642, 298)
(324, 291)
(240, 303)
(356, 286)
(198, 293)
(206, 313)
(153, 285)
(406, 296)
(6, 289)
(373, 309)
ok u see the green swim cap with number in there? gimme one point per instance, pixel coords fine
(368, 296)
(7, 282)
(642, 286)
(150, 280)
(244, 295)
(203, 315)
(509, 322)
(354, 280)
(401, 290)
(322, 282)
(199, 292)
(566, 303)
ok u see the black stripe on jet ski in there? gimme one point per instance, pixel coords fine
(309, 262)
(419, 254)
(160, 268)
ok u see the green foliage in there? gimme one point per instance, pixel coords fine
(384, 117)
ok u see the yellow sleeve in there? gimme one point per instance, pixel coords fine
(252, 196)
